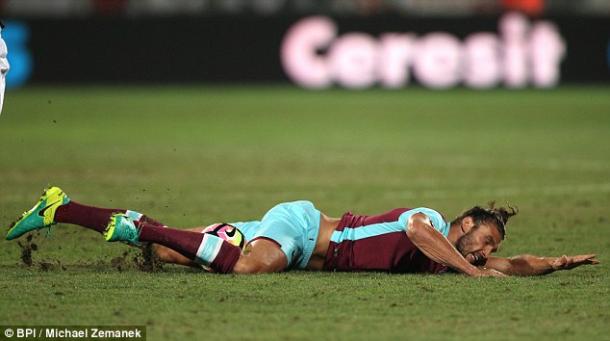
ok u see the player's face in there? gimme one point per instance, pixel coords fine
(479, 243)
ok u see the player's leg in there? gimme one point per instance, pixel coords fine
(95, 218)
(54, 206)
(280, 233)
(176, 246)
(260, 256)
(171, 256)
(203, 248)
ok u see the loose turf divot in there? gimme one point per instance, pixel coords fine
(26, 250)
(148, 261)
(143, 259)
(120, 262)
(50, 265)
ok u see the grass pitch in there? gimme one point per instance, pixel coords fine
(190, 156)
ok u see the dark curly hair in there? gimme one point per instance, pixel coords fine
(498, 216)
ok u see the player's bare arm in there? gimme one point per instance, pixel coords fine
(528, 265)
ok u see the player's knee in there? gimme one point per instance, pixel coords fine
(244, 268)
(253, 265)
(261, 256)
(249, 266)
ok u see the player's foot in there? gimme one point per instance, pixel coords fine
(41, 215)
(122, 229)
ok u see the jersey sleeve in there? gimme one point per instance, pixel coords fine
(437, 220)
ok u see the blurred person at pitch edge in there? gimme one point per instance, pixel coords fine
(3, 67)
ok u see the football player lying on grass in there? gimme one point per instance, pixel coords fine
(295, 235)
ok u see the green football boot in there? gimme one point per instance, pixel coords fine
(41, 215)
(122, 229)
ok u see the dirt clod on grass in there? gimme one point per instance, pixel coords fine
(27, 247)
(143, 259)
(120, 262)
(50, 265)
(148, 261)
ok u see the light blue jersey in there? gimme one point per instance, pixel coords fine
(437, 220)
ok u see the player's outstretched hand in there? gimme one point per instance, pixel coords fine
(569, 262)
(485, 272)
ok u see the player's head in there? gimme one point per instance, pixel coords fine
(483, 231)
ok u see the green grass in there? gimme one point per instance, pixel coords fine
(195, 155)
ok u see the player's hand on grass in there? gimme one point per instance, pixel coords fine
(569, 262)
(485, 272)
